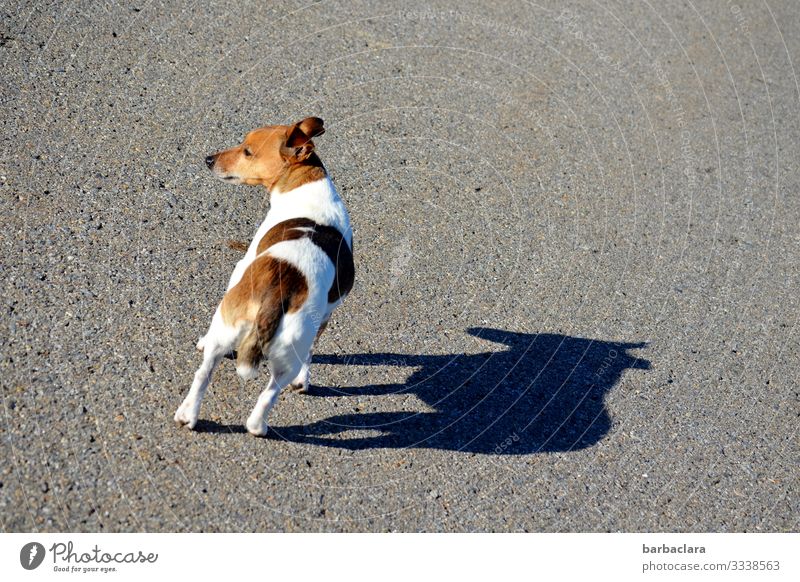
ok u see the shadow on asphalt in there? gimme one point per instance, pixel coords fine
(543, 393)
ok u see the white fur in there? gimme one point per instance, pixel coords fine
(318, 201)
(289, 354)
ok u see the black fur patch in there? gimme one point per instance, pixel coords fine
(327, 238)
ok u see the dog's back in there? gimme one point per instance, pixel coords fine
(301, 272)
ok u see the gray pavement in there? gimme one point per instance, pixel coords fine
(577, 257)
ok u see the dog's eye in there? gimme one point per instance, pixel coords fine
(247, 152)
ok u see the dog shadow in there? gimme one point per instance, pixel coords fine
(542, 393)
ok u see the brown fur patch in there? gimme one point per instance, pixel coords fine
(269, 288)
(312, 126)
(291, 229)
(277, 156)
(300, 173)
(328, 239)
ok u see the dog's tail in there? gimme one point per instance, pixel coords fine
(255, 344)
(248, 355)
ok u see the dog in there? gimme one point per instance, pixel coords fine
(297, 270)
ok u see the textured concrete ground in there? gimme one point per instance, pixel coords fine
(577, 255)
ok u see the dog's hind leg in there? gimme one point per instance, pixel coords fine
(215, 322)
(301, 382)
(189, 410)
(257, 421)
(217, 343)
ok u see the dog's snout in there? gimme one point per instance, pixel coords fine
(210, 161)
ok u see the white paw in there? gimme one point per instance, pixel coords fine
(246, 372)
(201, 344)
(187, 414)
(256, 426)
(300, 384)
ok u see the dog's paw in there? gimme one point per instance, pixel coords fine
(201, 344)
(299, 387)
(187, 414)
(256, 426)
(300, 383)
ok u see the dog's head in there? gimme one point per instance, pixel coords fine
(266, 153)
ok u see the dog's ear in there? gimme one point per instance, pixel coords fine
(312, 126)
(298, 144)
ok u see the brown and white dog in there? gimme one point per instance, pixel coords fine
(296, 271)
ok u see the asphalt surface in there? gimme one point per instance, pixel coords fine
(577, 255)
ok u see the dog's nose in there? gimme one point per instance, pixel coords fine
(210, 161)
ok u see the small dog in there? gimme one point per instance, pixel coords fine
(296, 271)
